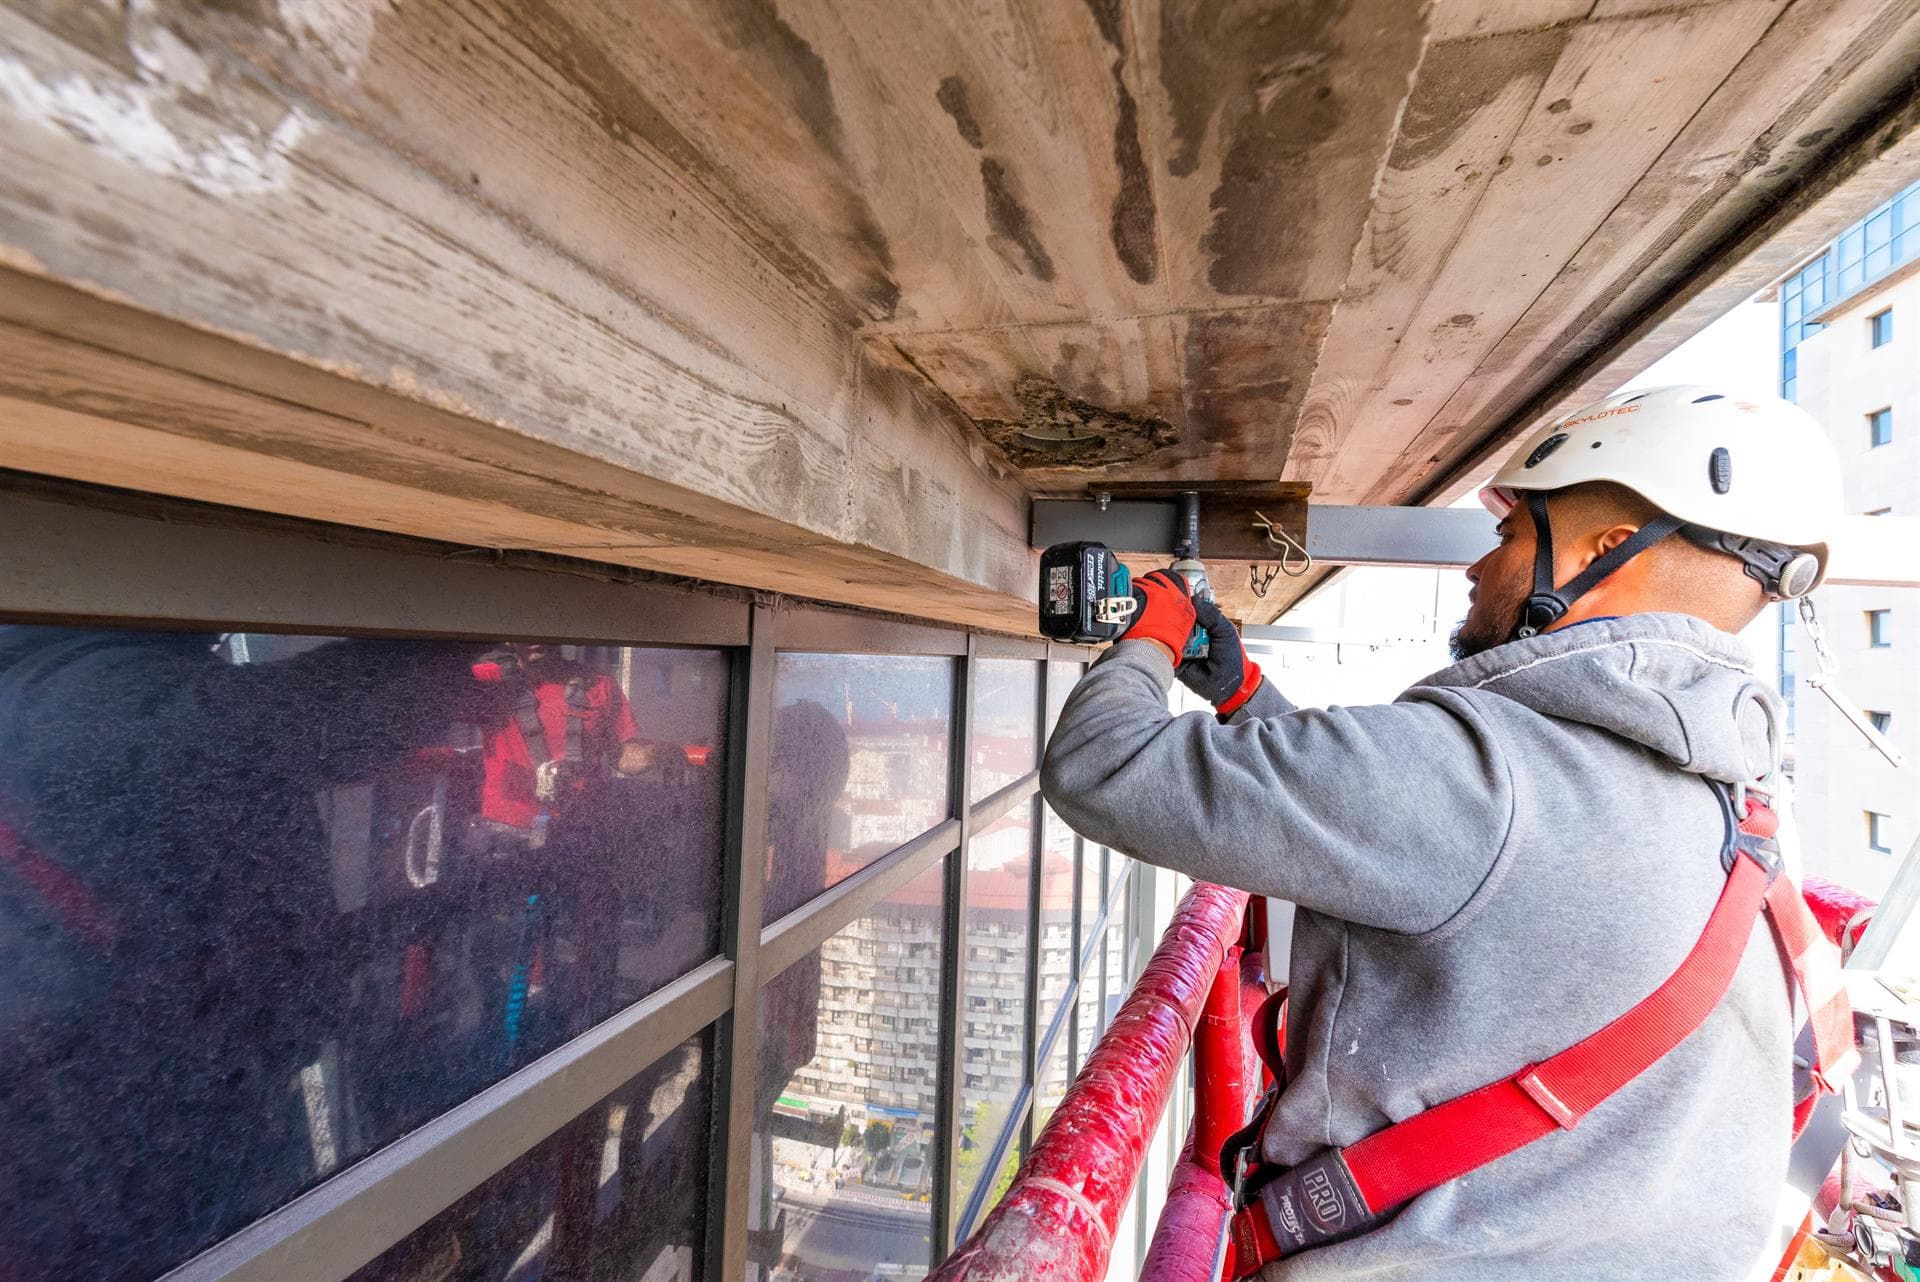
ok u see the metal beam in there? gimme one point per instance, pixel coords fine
(1877, 551)
(1335, 535)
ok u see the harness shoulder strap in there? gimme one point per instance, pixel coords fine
(1341, 1193)
(526, 715)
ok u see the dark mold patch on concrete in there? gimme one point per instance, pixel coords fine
(1011, 224)
(1058, 430)
(952, 97)
(781, 57)
(624, 112)
(1276, 84)
(1008, 218)
(1131, 227)
(1246, 375)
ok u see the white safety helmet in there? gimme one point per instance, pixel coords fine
(1755, 477)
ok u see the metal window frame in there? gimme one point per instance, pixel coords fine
(91, 556)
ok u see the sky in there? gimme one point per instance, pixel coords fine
(1740, 350)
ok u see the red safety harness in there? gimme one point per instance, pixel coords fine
(1341, 1193)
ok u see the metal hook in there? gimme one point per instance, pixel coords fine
(1261, 582)
(1288, 545)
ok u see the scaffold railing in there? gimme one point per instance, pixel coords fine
(1057, 1219)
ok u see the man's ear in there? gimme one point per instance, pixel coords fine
(1594, 546)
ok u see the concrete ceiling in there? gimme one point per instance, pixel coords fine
(867, 273)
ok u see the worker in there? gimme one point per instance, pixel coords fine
(1518, 850)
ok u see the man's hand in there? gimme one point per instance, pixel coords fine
(1226, 677)
(1165, 615)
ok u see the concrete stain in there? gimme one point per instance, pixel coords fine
(1131, 225)
(1056, 430)
(1459, 78)
(1012, 224)
(780, 56)
(952, 97)
(1274, 84)
(624, 112)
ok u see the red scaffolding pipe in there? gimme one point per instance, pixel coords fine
(1057, 1219)
(1186, 1241)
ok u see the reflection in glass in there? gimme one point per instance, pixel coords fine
(1058, 851)
(860, 764)
(994, 987)
(845, 1121)
(617, 1194)
(268, 902)
(1006, 710)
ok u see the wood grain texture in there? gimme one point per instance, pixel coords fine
(1607, 107)
(250, 209)
(1745, 150)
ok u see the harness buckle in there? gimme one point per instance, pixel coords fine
(1315, 1203)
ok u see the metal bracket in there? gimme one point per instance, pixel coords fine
(1236, 528)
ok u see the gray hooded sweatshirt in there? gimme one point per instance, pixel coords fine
(1489, 869)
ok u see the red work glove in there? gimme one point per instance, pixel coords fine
(1226, 677)
(1165, 613)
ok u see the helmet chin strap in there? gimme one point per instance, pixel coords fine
(1548, 604)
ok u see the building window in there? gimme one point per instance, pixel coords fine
(1880, 327)
(1881, 720)
(1879, 427)
(1879, 832)
(1879, 629)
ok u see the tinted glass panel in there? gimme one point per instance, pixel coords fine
(1057, 857)
(994, 978)
(281, 899)
(619, 1193)
(860, 765)
(846, 1112)
(1006, 709)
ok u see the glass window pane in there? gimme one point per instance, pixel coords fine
(1002, 1180)
(1055, 1075)
(846, 1112)
(860, 765)
(1090, 1006)
(1879, 229)
(1062, 676)
(1006, 710)
(1058, 848)
(1092, 890)
(620, 1192)
(994, 979)
(308, 892)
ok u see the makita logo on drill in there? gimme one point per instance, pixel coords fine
(1327, 1209)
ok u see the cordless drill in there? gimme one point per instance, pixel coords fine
(1086, 594)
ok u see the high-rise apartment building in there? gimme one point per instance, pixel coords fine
(1850, 356)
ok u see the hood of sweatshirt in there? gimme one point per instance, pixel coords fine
(1669, 682)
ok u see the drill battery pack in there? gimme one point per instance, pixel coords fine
(1086, 594)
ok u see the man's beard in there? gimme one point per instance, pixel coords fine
(1462, 644)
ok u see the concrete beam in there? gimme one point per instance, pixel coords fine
(223, 285)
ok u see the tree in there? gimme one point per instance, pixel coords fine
(849, 1135)
(879, 1137)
